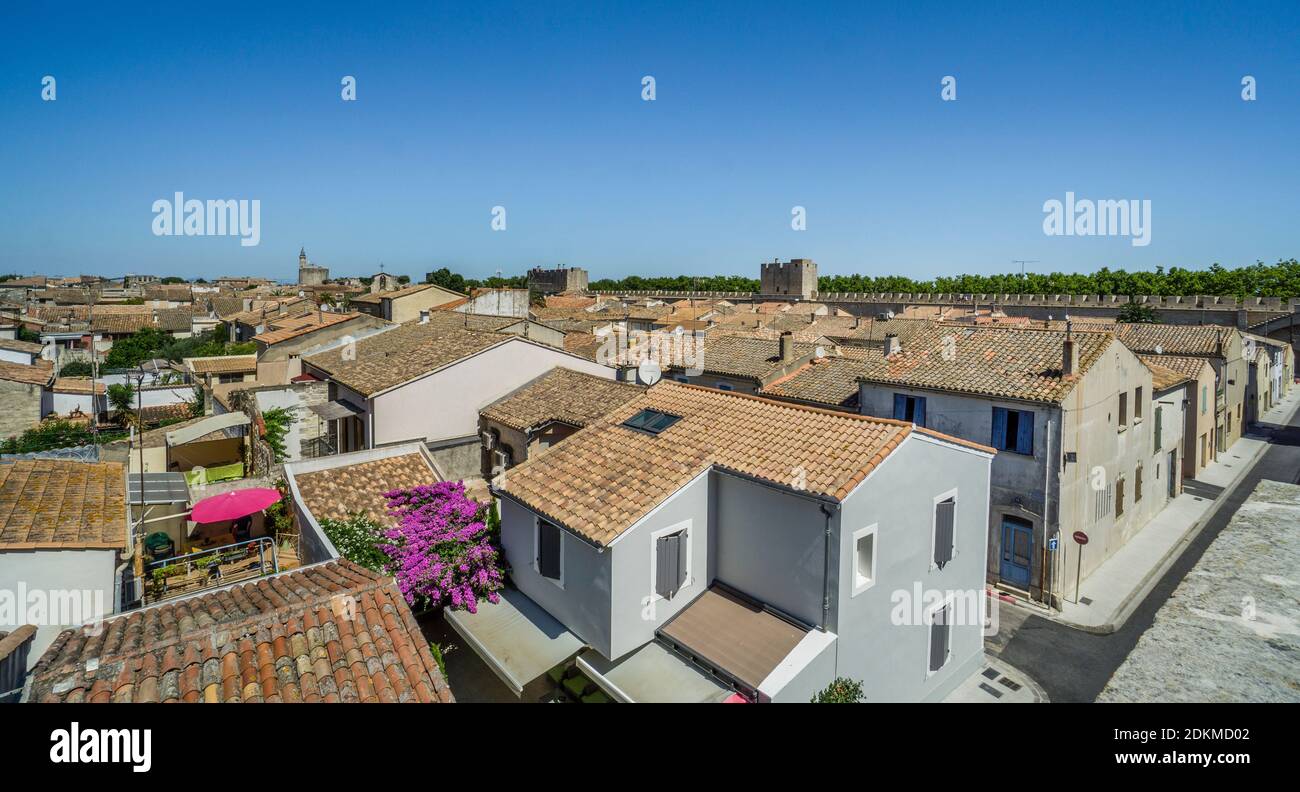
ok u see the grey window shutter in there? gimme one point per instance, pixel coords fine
(548, 550)
(667, 549)
(943, 532)
(939, 639)
(682, 567)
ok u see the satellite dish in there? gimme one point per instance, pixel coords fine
(820, 352)
(1160, 350)
(649, 372)
(678, 330)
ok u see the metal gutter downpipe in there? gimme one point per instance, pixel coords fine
(826, 568)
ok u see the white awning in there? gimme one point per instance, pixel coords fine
(652, 674)
(516, 637)
(214, 423)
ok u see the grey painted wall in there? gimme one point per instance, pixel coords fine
(636, 611)
(770, 545)
(892, 659)
(583, 604)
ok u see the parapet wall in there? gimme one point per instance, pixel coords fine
(1207, 302)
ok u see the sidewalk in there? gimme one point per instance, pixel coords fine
(1113, 591)
(997, 683)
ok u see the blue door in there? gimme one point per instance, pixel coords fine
(1017, 551)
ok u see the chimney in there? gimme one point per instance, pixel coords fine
(787, 346)
(891, 344)
(424, 317)
(1069, 352)
(857, 322)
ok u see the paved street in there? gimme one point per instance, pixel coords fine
(1072, 665)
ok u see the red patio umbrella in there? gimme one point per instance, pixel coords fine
(233, 505)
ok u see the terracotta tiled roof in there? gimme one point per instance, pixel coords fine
(225, 364)
(286, 329)
(405, 291)
(740, 356)
(58, 504)
(77, 385)
(569, 301)
(560, 394)
(604, 478)
(1189, 367)
(990, 361)
(331, 632)
(583, 344)
(385, 360)
(154, 413)
(272, 310)
(1173, 339)
(41, 372)
(339, 492)
(1162, 377)
(120, 323)
(830, 381)
(174, 320)
(14, 345)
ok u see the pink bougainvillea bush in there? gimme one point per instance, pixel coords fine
(441, 550)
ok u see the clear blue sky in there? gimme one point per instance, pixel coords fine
(464, 106)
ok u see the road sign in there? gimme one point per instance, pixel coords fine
(1052, 543)
(1080, 537)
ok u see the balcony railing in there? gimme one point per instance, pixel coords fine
(210, 568)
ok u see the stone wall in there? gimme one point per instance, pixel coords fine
(20, 407)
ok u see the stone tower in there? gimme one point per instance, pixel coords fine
(310, 274)
(796, 278)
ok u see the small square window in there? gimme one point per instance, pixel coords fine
(864, 559)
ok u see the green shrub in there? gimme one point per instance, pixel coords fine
(841, 691)
(357, 539)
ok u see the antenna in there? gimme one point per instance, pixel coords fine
(1022, 263)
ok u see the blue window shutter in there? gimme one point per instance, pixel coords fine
(1025, 434)
(999, 428)
(900, 407)
(920, 411)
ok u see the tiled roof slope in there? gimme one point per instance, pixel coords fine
(560, 394)
(1162, 377)
(338, 493)
(385, 360)
(41, 372)
(1189, 367)
(59, 504)
(1173, 339)
(224, 364)
(604, 478)
(285, 329)
(331, 632)
(15, 345)
(832, 381)
(742, 356)
(990, 361)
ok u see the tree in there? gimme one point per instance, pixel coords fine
(121, 398)
(446, 279)
(841, 691)
(1138, 313)
(77, 368)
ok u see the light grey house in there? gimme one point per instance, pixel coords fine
(1074, 423)
(699, 545)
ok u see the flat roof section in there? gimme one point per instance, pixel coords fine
(740, 638)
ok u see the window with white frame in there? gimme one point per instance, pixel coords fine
(548, 553)
(864, 559)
